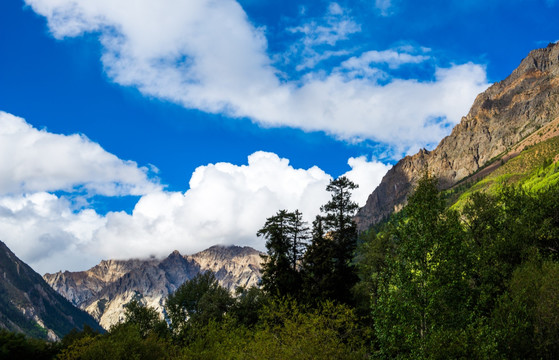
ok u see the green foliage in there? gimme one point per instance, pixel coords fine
(123, 341)
(224, 340)
(292, 331)
(286, 234)
(247, 305)
(146, 319)
(527, 316)
(196, 303)
(370, 260)
(17, 346)
(479, 283)
(533, 169)
(424, 291)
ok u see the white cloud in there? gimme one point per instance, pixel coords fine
(207, 55)
(367, 174)
(37, 160)
(43, 231)
(225, 204)
(385, 7)
(334, 27)
(393, 58)
(317, 34)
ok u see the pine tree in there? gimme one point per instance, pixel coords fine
(329, 271)
(298, 233)
(286, 234)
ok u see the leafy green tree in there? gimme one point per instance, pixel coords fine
(286, 234)
(122, 342)
(425, 290)
(196, 303)
(370, 261)
(247, 305)
(147, 319)
(546, 214)
(289, 330)
(527, 315)
(18, 346)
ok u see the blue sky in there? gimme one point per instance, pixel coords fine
(133, 128)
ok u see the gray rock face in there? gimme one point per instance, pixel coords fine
(103, 290)
(500, 118)
(30, 306)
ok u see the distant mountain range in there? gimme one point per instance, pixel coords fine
(509, 116)
(103, 290)
(30, 306)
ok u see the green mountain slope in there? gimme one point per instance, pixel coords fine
(534, 168)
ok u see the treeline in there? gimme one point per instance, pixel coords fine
(430, 283)
(480, 283)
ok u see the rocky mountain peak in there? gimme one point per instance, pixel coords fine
(545, 60)
(104, 289)
(500, 118)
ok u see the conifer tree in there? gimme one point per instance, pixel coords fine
(286, 234)
(328, 267)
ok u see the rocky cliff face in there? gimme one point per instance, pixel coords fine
(103, 290)
(29, 305)
(500, 118)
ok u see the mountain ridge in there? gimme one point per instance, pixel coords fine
(500, 117)
(30, 306)
(104, 289)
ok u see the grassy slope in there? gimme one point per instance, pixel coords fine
(534, 168)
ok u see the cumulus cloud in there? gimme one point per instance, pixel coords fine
(225, 204)
(367, 174)
(208, 55)
(37, 160)
(42, 230)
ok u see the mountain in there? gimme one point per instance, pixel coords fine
(103, 290)
(504, 120)
(30, 306)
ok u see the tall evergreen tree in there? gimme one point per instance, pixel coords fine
(298, 234)
(286, 234)
(317, 265)
(329, 270)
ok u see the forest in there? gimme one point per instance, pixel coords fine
(433, 281)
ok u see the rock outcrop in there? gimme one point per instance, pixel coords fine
(500, 118)
(103, 290)
(30, 306)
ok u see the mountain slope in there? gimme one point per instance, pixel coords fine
(103, 290)
(500, 119)
(29, 305)
(535, 167)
